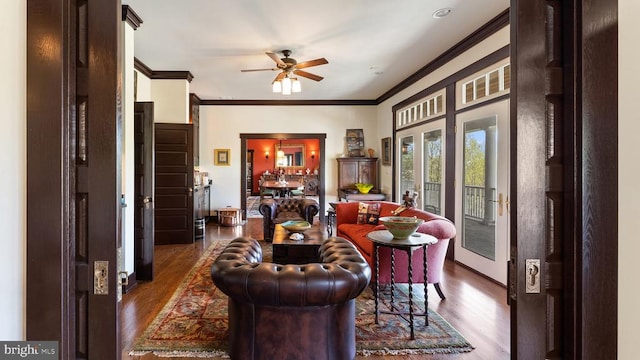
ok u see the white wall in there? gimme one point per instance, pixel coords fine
(171, 101)
(13, 156)
(384, 114)
(128, 148)
(143, 87)
(220, 127)
(629, 173)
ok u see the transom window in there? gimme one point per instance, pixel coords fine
(430, 107)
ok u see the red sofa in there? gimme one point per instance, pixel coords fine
(440, 227)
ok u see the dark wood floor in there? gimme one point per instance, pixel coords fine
(474, 305)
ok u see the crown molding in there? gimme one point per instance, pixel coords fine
(161, 74)
(131, 17)
(288, 102)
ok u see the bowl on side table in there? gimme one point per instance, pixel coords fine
(401, 227)
(296, 226)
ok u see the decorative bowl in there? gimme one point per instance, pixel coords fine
(295, 226)
(400, 226)
(364, 188)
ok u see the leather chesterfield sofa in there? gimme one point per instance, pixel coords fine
(291, 311)
(277, 211)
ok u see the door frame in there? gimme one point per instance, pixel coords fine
(321, 159)
(73, 177)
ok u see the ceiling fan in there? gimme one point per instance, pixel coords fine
(290, 66)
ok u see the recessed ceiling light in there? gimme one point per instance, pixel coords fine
(442, 13)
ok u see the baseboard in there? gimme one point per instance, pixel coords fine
(132, 282)
(479, 274)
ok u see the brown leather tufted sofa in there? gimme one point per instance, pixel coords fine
(277, 211)
(291, 311)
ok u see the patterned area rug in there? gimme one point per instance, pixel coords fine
(194, 322)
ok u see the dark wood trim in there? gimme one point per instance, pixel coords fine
(289, 102)
(132, 282)
(142, 68)
(283, 136)
(195, 100)
(450, 162)
(131, 17)
(488, 29)
(597, 177)
(50, 188)
(161, 74)
(321, 161)
(484, 103)
(172, 75)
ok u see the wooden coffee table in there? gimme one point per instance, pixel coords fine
(287, 251)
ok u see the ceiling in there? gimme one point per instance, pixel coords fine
(371, 45)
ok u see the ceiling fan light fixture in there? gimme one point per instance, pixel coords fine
(296, 87)
(277, 86)
(286, 86)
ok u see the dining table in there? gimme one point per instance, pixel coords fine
(282, 187)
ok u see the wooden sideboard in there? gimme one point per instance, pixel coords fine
(352, 170)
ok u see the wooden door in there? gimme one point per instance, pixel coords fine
(174, 184)
(144, 188)
(564, 155)
(73, 176)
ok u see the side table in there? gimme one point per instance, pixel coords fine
(287, 251)
(383, 238)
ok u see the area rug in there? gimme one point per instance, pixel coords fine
(194, 322)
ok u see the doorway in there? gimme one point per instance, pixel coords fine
(482, 189)
(318, 157)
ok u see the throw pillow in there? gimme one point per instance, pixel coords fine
(368, 213)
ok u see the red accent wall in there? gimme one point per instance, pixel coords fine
(260, 164)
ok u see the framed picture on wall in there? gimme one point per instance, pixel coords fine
(386, 151)
(222, 157)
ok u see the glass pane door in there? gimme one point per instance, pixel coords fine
(479, 187)
(482, 189)
(407, 176)
(433, 171)
(422, 158)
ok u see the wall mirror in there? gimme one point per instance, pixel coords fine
(290, 155)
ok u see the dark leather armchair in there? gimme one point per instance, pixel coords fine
(291, 311)
(277, 211)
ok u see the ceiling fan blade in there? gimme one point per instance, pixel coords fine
(275, 58)
(308, 75)
(279, 77)
(249, 70)
(310, 63)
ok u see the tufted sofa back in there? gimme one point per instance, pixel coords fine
(341, 275)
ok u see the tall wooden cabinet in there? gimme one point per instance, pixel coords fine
(353, 170)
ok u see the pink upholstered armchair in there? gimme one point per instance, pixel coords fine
(437, 226)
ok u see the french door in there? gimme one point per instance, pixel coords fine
(422, 159)
(482, 189)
